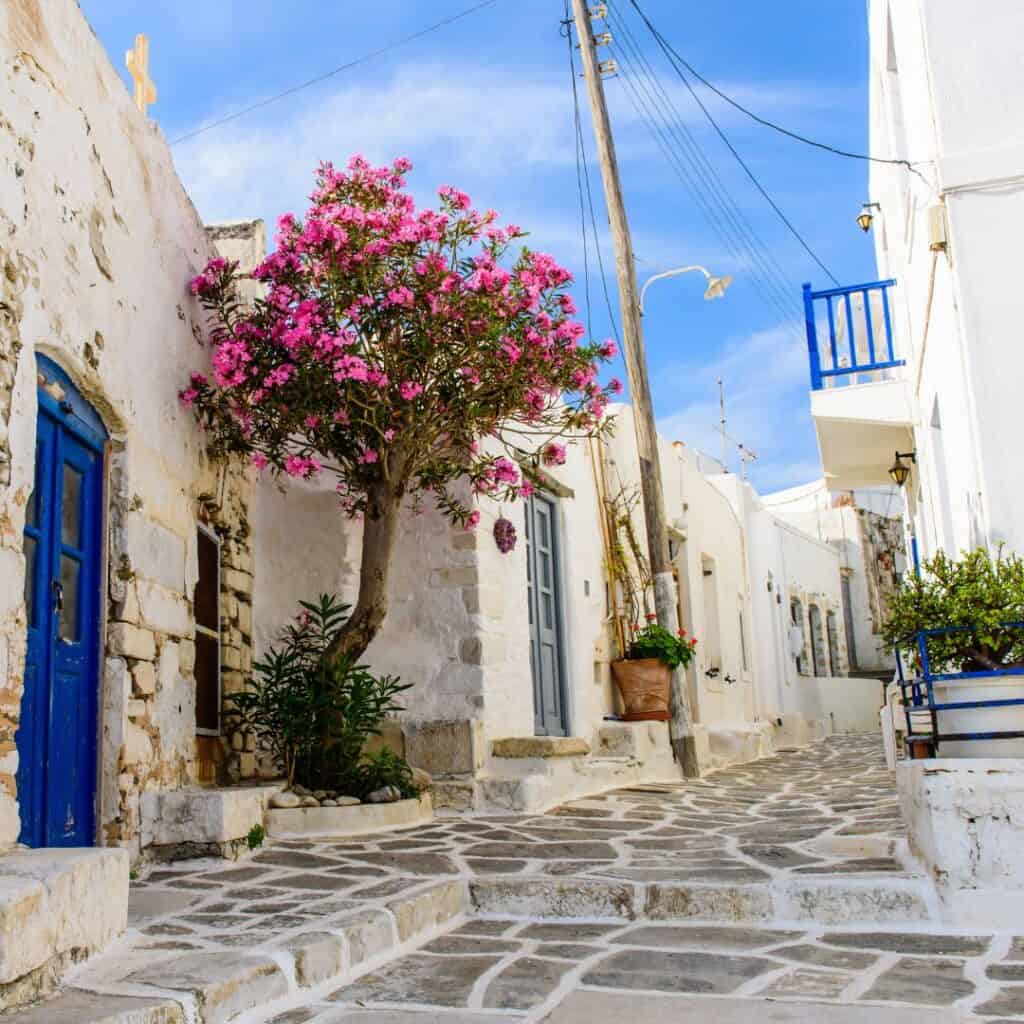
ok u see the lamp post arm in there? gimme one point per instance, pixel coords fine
(669, 273)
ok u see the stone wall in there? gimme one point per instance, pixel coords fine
(98, 241)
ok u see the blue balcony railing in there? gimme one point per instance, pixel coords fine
(849, 334)
(924, 724)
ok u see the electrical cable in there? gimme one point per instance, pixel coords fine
(581, 152)
(335, 71)
(729, 221)
(669, 54)
(796, 136)
(566, 31)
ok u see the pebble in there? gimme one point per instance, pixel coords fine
(347, 801)
(285, 800)
(384, 795)
(328, 802)
(309, 801)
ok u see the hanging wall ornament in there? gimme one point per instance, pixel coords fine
(504, 535)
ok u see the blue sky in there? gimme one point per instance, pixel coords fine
(485, 104)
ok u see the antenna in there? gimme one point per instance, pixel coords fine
(725, 436)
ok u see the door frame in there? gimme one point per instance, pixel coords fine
(74, 414)
(559, 585)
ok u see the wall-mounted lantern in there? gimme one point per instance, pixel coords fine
(866, 218)
(899, 470)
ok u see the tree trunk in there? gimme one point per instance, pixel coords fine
(380, 527)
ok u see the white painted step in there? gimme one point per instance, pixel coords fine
(75, 1007)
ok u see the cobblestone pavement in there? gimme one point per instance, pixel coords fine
(758, 889)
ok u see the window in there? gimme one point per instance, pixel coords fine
(207, 612)
(712, 640)
(797, 638)
(833, 643)
(817, 642)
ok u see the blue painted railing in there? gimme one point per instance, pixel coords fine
(857, 346)
(919, 694)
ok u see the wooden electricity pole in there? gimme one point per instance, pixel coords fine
(639, 387)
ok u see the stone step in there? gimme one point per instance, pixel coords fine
(76, 1007)
(224, 984)
(808, 901)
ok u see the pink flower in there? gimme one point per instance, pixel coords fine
(311, 422)
(554, 454)
(389, 435)
(188, 396)
(505, 471)
(402, 297)
(615, 386)
(473, 520)
(297, 466)
(260, 461)
(409, 389)
(368, 457)
(609, 350)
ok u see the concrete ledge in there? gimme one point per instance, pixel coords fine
(56, 906)
(348, 821)
(540, 746)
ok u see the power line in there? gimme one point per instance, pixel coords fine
(719, 207)
(336, 71)
(566, 31)
(909, 165)
(670, 55)
(581, 157)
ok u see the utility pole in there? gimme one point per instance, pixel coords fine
(651, 487)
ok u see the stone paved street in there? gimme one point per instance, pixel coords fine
(782, 884)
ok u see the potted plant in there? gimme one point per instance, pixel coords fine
(974, 600)
(644, 675)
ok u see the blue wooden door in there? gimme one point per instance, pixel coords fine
(545, 605)
(57, 734)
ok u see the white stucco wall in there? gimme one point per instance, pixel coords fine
(98, 241)
(946, 88)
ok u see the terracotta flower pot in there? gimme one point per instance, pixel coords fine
(644, 686)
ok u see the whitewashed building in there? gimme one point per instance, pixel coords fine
(870, 541)
(933, 373)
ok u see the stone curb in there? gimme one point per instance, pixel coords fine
(853, 902)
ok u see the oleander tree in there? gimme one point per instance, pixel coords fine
(402, 351)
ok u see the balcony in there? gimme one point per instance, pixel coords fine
(860, 400)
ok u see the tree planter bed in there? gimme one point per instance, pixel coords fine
(356, 820)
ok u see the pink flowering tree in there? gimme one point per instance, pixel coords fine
(401, 351)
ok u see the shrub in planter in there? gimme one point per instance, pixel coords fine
(314, 713)
(978, 594)
(644, 676)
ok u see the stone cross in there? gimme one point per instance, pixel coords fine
(137, 62)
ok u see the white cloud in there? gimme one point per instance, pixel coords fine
(765, 379)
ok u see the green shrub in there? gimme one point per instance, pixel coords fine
(257, 834)
(385, 768)
(976, 592)
(314, 715)
(654, 641)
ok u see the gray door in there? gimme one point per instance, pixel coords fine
(545, 617)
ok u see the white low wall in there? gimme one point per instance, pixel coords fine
(966, 821)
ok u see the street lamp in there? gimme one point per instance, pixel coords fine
(715, 289)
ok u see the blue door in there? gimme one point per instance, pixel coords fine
(63, 544)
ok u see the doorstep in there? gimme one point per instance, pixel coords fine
(202, 822)
(540, 746)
